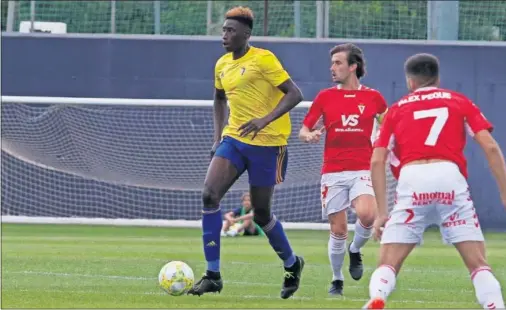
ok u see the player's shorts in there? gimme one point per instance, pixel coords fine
(266, 165)
(428, 194)
(339, 189)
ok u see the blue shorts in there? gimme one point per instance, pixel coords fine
(266, 165)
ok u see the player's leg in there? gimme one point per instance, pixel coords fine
(226, 226)
(261, 200)
(487, 288)
(363, 201)
(248, 226)
(460, 226)
(402, 232)
(383, 279)
(337, 248)
(266, 168)
(335, 204)
(224, 169)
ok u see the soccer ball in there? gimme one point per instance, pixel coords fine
(176, 278)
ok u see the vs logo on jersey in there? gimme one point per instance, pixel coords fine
(350, 120)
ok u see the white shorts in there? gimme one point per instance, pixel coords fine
(428, 194)
(340, 188)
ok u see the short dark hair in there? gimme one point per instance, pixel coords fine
(423, 67)
(355, 56)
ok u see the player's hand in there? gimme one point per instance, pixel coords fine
(213, 149)
(253, 126)
(314, 136)
(379, 224)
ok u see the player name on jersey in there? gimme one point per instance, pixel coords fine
(431, 96)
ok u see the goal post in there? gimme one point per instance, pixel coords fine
(135, 162)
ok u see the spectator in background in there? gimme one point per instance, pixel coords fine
(240, 220)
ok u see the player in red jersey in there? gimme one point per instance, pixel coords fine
(350, 113)
(428, 128)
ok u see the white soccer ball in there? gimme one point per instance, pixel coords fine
(176, 278)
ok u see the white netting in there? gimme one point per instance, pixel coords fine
(122, 158)
(359, 19)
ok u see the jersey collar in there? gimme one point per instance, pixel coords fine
(339, 86)
(425, 88)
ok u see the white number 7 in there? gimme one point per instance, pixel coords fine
(441, 115)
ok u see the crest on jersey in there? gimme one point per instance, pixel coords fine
(222, 74)
(361, 108)
(243, 69)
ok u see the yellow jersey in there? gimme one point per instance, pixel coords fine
(250, 84)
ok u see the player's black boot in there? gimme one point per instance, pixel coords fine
(210, 283)
(336, 287)
(356, 266)
(292, 278)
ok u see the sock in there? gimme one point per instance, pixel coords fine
(277, 238)
(337, 250)
(487, 288)
(211, 228)
(382, 282)
(362, 235)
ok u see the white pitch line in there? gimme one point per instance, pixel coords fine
(460, 271)
(153, 279)
(269, 297)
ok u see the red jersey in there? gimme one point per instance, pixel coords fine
(431, 123)
(349, 117)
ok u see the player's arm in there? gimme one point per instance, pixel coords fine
(481, 129)
(378, 166)
(245, 217)
(232, 215)
(274, 72)
(220, 112)
(307, 133)
(495, 160)
(381, 104)
(219, 105)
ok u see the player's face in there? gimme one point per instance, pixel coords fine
(246, 202)
(234, 35)
(340, 69)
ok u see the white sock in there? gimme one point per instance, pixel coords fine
(337, 249)
(362, 235)
(487, 288)
(382, 282)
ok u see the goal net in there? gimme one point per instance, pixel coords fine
(78, 159)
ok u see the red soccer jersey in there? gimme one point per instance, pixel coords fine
(349, 117)
(431, 123)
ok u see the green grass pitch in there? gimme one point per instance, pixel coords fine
(65, 266)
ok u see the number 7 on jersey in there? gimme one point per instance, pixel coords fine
(441, 115)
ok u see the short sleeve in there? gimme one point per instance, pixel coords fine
(386, 131)
(272, 69)
(381, 103)
(217, 76)
(237, 211)
(314, 113)
(475, 120)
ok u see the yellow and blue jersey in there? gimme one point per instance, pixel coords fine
(250, 84)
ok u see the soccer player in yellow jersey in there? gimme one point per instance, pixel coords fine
(260, 93)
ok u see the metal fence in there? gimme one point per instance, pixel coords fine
(401, 19)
